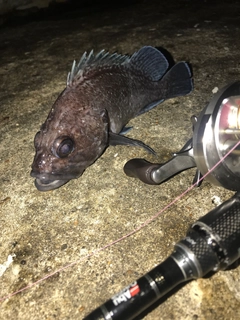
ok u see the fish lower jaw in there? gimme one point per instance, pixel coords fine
(49, 185)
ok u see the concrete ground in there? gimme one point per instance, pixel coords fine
(43, 232)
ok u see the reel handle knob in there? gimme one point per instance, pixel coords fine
(141, 169)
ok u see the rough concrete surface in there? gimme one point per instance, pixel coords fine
(45, 231)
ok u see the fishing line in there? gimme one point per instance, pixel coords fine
(144, 224)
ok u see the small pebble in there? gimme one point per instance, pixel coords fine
(216, 200)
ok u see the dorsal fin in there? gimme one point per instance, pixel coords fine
(91, 60)
(151, 62)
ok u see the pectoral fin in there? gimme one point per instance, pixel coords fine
(118, 139)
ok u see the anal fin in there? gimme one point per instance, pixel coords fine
(149, 107)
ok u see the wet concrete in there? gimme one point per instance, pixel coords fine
(46, 231)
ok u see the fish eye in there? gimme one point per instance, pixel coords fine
(62, 147)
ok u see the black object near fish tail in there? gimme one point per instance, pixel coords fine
(103, 93)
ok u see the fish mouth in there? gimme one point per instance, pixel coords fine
(46, 182)
(48, 185)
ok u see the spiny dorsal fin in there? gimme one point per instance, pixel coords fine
(91, 60)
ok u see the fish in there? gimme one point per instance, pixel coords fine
(104, 92)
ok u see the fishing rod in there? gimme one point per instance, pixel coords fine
(212, 243)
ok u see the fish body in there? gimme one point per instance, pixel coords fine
(103, 93)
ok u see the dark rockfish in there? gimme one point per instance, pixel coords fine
(103, 93)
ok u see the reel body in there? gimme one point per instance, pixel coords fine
(215, 132)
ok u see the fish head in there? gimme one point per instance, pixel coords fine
(71, 139)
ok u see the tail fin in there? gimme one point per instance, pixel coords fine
(178, 80)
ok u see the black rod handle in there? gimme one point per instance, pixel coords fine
(212, 243)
